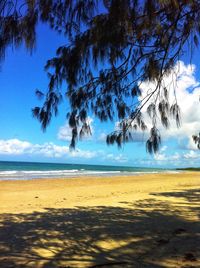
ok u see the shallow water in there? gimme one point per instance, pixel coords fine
(29, 170)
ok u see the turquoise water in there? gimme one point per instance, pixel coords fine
(29, 170)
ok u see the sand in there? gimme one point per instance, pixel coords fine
(139, 221)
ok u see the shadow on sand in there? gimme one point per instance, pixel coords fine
(148, 233)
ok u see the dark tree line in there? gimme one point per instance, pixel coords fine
(112, 46)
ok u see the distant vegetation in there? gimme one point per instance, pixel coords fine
(189, 169)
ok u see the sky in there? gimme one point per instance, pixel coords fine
(21, 137)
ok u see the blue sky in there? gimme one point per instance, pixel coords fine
(21, 137)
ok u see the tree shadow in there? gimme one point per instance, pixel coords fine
(192, 195)
(148, 233)
(189, 198)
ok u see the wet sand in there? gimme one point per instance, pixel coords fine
(149, 220)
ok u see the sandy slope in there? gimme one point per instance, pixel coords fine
(141, 221)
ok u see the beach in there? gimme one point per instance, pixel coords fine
(150, 220)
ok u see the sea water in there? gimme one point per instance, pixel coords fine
(32, 170)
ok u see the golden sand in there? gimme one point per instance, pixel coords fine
(149, 220)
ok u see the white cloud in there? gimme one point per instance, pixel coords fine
(175, 156)
(160, 157)
(167, 158)
(116, 158)
(182, 159)
(14, 146)
(17, 147)
(84, 154)
(163, 156)
(50, 150)
(65, 132)
(164, 148)
(102, 137)
(192, 155)
(187, 89)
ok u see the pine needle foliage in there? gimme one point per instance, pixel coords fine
(112, 46)
(196, 139)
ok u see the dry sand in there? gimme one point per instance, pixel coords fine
(142, 221)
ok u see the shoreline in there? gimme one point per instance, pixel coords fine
(91, 175)
(150, 220)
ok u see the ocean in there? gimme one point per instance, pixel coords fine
(32, 170)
